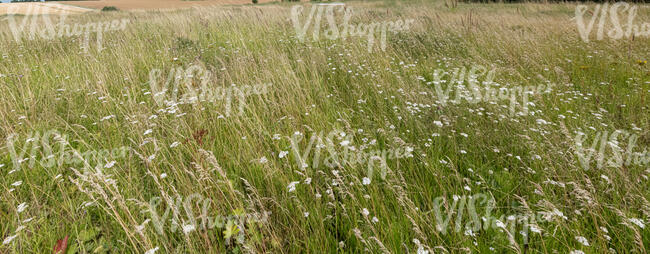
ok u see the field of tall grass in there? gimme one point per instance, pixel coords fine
(283, 153)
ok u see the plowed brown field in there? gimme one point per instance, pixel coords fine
(69, 7)
(40, 8)
(156, 4)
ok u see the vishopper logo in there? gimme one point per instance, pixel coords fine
(346, 154)
(38, 22)
(196, 84)
(345, 29)
(477, 85)
(445, 209)
(608, 145)
(234, 225)
(44, 151)
(617, 28)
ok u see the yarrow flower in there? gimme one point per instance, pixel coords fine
(638, 222)
(292, 186)
(188, 228)
(582, 240)
(500, 224)
(152, 251)
(535, 229)
(22, 207)
(110, 164)
(9, 239)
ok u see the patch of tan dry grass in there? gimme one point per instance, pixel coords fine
(157, 4)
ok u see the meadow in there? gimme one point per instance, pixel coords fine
(238, 129)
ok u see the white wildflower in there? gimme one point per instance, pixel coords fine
(582, 240)
(292, 186)
(606, 178)
(638, 222)
(110, 164)
(9, 239)
(500, 224)
(106, 118)
(188, 228)
(541, 122)
(152, 251)
(22, 207)
(535, 229)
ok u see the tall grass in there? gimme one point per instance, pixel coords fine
(324, 85)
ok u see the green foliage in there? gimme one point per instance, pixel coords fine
(109, 8)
